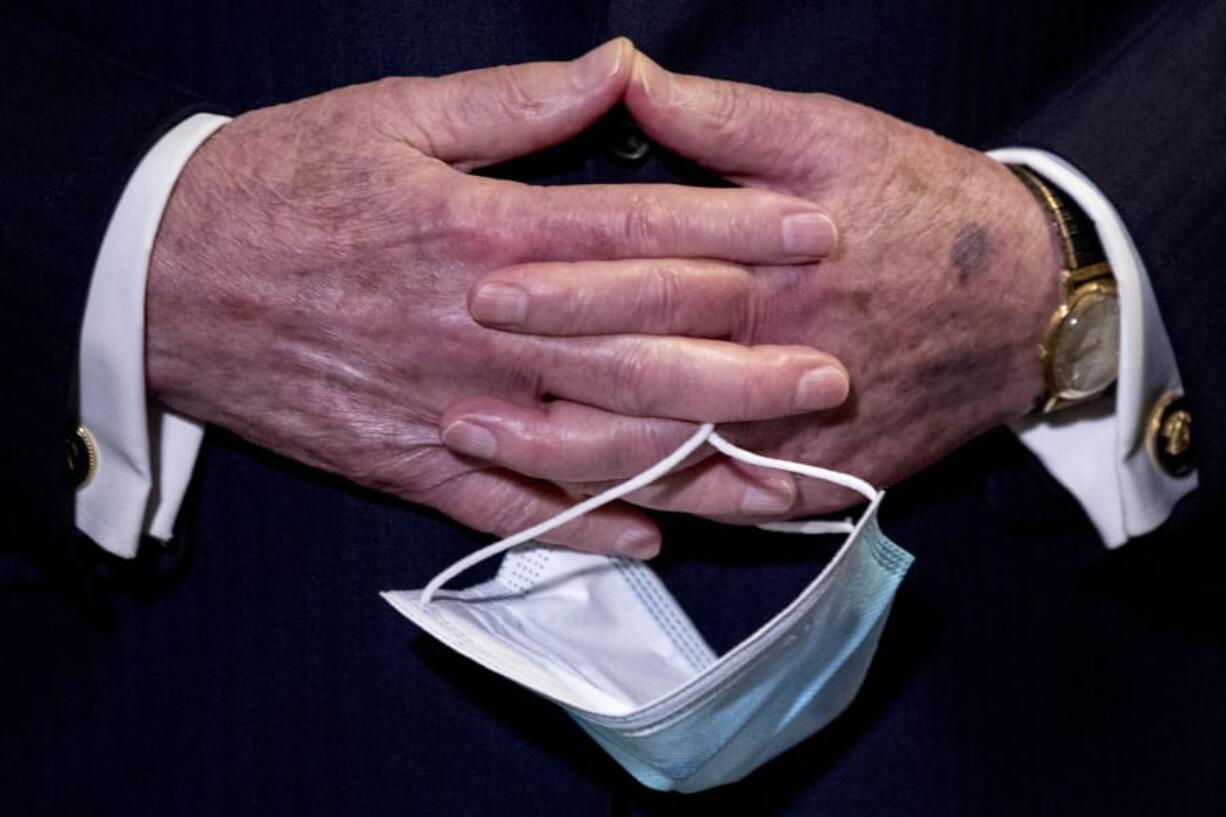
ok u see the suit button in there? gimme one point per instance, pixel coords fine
(81, 456)
(1168, 437)
(626, 142)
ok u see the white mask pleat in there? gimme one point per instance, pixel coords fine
(603, 637)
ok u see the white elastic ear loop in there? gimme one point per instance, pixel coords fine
(810, 526)
(705, 433)
(617, 492)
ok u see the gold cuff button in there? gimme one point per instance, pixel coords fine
(81, 455)
(1168, 438)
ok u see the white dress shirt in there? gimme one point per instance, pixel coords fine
(146, 454)
(1098, 451)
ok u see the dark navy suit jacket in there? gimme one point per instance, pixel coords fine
(251, 669)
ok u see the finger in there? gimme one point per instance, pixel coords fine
(717, 488)
(695, 298)
(582, 222)
(503, 503)
(562, 441)
(476, 118)
(690, 378)
(743, 131)
(593, 450)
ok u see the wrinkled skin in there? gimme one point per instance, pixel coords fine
(308, 283)
(936, 299)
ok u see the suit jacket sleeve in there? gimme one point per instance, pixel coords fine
(73, 126)
(1147, 123)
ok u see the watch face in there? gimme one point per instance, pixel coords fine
(1086, 353)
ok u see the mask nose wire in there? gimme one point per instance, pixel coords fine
(705, 434)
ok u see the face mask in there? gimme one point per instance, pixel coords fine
(602, 637)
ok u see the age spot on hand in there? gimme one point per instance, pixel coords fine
(970, 252)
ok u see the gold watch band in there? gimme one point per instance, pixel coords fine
(1086, 274)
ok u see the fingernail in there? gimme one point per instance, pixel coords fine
(470, 438)
(822, 388)
(656, 84)
(499, 303)
(764, 501)
(597, 65)
(812, 235)
(638, 544)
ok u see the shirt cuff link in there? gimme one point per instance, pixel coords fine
(1168, 436)
(81, 456)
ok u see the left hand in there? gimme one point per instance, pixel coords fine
(936, 299)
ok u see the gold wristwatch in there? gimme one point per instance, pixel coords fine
(1080, 352)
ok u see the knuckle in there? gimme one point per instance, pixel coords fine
(728, 106)
(749, 316)
(387, 95)
(539, 223)
(419, 475)
(424, 136)
(799, 136)
(409, 109)
(753, 397)
(746, 312)
(770, 379)
(583, 533)
(735, 301)
(742, 115)
(628, 379)
(507, 98)
(580, 309)
(433, 218)
(737, 111)
(469, 224)
(655, 441)
(660, 303)
(644, 222)
(393, 95)
(506, 517)
(520, 100)
(499, 508)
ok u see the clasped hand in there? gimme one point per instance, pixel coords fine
(331, 283)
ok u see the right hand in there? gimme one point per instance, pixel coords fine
(308, 283)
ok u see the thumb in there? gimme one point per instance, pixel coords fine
(742, 131)
(477, 118)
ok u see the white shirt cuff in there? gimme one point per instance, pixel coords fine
(1098, 451)
(146, 454)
